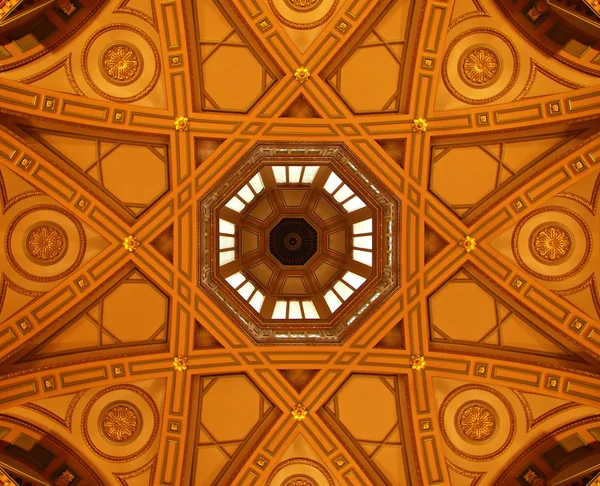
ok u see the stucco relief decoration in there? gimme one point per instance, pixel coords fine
(477, 422)
(552, 243)
(303, 5)
(46, 242)
(120, 423)
(480, 66)
(300, 481)
(122, 63)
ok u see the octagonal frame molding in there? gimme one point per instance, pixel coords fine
(387, 276)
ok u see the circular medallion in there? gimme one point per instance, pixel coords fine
(480, 66)
(476, 59)
(476, 421)
(121, 63)
(121, 422)
(112, 422)
(303, 5)
(300, 480)
(45, 243)
(551, 243)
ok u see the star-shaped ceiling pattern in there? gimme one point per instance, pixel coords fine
(392, 130)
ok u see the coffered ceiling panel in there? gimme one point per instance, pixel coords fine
(299, 242)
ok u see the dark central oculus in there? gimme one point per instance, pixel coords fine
(293, 241)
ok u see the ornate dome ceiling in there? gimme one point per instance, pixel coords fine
(299, 242)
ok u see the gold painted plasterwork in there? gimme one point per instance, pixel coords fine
(507, 88)
(124, 8)
(303, 5)
(551, 243)
(587, 243)
(64, 422)
(477, 422)
(533, 422)
(538, 68)
(480, 66)
(300, 481)
(94, 86)
(65, 63)
(475, 476)
(116, 388)
(121, 422)
(302, 461)
(301, 26)
(46, 243)
(121, 63)
(479, 12)
(124, 477)
(11, 258)
(511, 426)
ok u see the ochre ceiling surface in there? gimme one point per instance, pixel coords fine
(299, 242)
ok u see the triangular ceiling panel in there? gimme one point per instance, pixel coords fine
(105, 324)
(394, 338)
(299, 379)
(434, 243)
(466, 297)
(300, 108)
(163, 243)
(204, 339)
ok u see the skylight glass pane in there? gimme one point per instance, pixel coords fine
(353, 280)
(344, 193)
(295, 172)
(235, 280)
(332, 183)
(310, 311)
(257, 183)
(246, 290)
(226, 257)
(363, 227)
(364, 242)
(280, 311)
(246, 194)
(257, 301)
(226, 227)
(361, 256)
(279, 174)
(342, 289)
(354, 204)
(332, 301)
(295, 312)
(226, 242)
(235, 204)
(310, 171)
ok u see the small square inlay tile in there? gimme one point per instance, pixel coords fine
(49, 103)
(342, 26)
(261, 462)
(427, 62)
(518, 205)
(426, 425)
(24, 162)
(483, 119)
(82, 203)
(554, 108)
(518, 283)
(24, 325)
(175, 60)
(118, 116)
(579, 165)
(117, 370)
(481, 369)
(340, 461)
(553, 383)
(174, 426)
(578, 325)
(81, 283)
(264, 24)
(48, 383)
